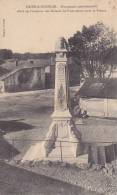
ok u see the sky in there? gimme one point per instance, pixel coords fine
(38, 32)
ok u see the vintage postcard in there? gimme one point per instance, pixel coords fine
(58, 97)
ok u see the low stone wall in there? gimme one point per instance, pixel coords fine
(99, 107)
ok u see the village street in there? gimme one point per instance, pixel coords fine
(25, 118)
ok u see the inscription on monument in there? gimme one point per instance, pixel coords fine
(61, 98)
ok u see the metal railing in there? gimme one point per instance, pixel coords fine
(98, 152)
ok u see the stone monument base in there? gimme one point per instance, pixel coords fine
(62, 142)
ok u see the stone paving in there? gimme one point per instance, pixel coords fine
(93, 180)
(18, 181)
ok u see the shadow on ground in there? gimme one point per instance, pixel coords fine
(7, 148)
(13, 126)
(7, 151)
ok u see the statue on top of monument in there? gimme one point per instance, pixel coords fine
(61, 45)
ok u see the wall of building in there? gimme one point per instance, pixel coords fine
(114, 73)
(2, 87)
(25, 79)
(52, 76)
(37, 77)
(99, 107)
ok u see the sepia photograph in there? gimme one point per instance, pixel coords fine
(58, 97)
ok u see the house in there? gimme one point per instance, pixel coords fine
(33, 74)
(23, 79)
(99, 97)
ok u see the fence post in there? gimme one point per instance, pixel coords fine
(12, 149)
(61, 151)
(114, 154)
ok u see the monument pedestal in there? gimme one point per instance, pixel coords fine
(63, 135)
(62, 142)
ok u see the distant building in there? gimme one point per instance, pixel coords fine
(33, 74)
(114, 72)
(23, 79)
(99, 97)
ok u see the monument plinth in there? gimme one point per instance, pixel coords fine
(62, 132)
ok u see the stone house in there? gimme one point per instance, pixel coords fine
(23, 79)
(24, 75)
(99, 97)
(33, 74)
